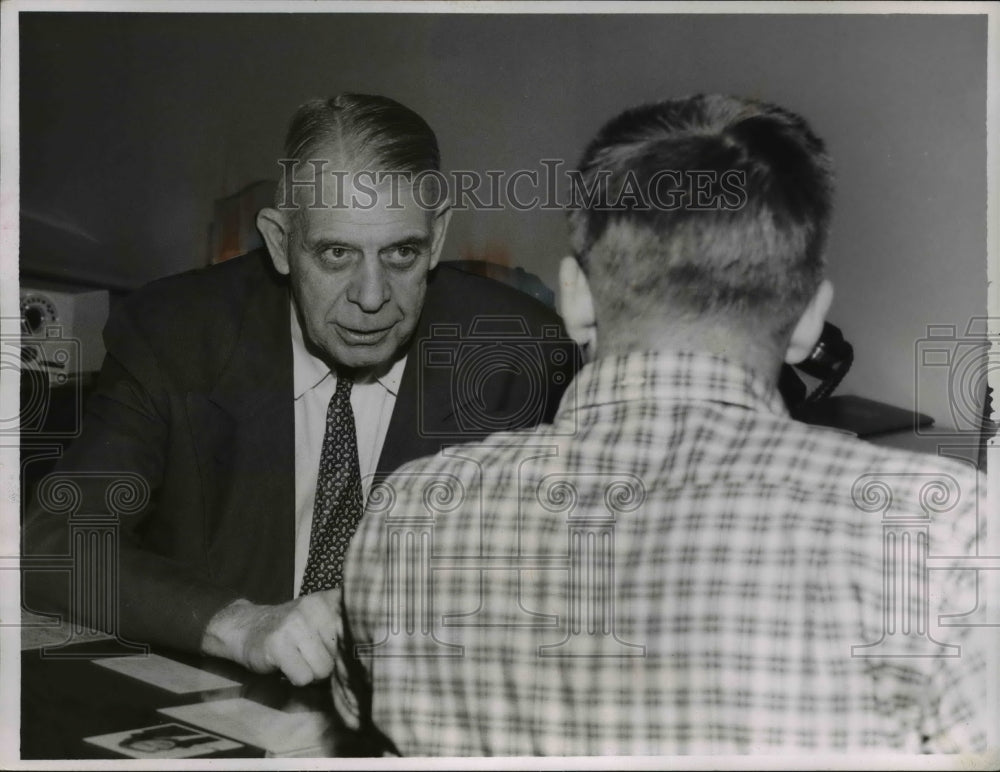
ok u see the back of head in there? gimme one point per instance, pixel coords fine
(376, 134)
(709, 208)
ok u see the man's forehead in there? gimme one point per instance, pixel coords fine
(328, 182)
(409, 217)
(366, 215)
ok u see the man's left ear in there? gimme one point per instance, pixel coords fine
(439, 228)
(810, 324)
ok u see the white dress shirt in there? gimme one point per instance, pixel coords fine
(313, 385)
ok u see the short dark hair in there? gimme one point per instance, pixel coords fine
(755, 252)
(377, 133)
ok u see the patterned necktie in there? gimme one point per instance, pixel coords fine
(339, 501)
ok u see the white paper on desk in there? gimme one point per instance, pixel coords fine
(165, 741)
(167, 674)
(275, 731)
(37, 632)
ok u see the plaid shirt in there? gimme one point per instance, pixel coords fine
(672, 567)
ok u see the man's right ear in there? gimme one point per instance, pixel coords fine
(810, 325)
(576, 306)
(273, 225)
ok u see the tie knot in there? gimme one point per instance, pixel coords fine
(344, 385)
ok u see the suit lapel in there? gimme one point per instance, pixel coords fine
(425, 418)
(258, 374)
(249, 432)
(423, 407)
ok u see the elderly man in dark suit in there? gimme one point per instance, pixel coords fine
(259, 398)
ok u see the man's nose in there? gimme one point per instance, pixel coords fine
(369, 288)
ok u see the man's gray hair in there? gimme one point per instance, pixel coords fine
(375, 133)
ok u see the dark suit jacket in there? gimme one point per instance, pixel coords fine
(195, 395)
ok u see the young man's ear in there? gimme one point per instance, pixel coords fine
(810, 324)
(439, 228)
(576, 306)
(273, 225)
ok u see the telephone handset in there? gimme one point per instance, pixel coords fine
(829, 362)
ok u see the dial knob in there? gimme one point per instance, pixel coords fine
(37, 311)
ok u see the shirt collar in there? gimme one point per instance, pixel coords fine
(390, 381)
(309, 371)
(676, 376)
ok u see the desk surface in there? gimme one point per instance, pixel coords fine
(939, 442)
(67, 698)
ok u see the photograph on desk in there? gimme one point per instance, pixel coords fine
(506, 383)
(166, 741)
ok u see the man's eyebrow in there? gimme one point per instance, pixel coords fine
(416, 240)
(329, 241)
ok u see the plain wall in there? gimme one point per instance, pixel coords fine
(133, 124)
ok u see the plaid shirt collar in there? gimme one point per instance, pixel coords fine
(669, 376)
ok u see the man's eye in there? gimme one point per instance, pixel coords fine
(335, 254)
(404, 254)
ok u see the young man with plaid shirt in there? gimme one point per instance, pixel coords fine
(674, 566)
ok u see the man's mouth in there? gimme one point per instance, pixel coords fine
(363, 337)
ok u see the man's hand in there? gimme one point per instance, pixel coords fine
(299, 638)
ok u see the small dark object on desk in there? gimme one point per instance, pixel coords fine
(864, 417)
